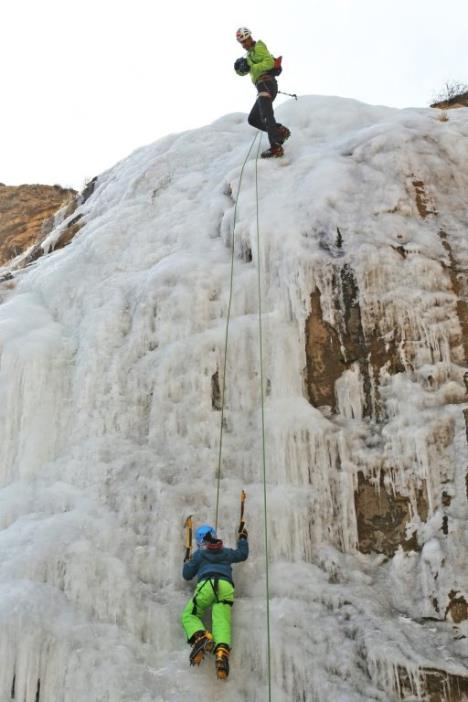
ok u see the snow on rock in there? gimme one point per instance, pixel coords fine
(110, 385)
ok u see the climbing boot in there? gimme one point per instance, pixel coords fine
(283, 133)
(202, 643)
(274, 151)
(222, 661)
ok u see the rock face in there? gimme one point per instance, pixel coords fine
(458, 101)
(377, 341)
(27, 216)
(376, 336)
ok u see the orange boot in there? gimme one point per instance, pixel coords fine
(202, 643)
(222, 661)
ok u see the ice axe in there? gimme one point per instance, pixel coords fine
(243, 497)
(188, 538)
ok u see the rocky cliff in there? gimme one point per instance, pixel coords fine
(453, 102)
(27, 215)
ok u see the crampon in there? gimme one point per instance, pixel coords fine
(222, 662)
(275, 151)
(202, 644)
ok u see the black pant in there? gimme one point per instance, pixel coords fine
(261, 115)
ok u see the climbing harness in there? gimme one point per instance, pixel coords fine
(214, 582)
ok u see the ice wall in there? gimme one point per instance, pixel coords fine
(111, 359)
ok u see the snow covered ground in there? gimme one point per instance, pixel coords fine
(109, 437)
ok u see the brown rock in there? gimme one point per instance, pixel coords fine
(216, 400)
(330, 350)
(439, 685)
(382, 516)
(324, 360)
(423, 202)
(457, 609)
(26, 215)
(460, 288)
(453, 103)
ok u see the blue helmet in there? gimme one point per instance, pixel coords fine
(202, 532)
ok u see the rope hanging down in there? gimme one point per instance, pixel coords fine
(262, 402)
(226, 338)
(262, 393)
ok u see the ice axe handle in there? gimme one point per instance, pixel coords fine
(188, 538)
(242, 520)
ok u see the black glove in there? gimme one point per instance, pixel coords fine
(242, 533)
(241, 66)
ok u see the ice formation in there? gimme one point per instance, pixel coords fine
(111, 362)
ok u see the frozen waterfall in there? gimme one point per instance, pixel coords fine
(111, 351)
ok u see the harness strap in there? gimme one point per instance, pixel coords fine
(194, 598)
(215, 586)
(214, 582)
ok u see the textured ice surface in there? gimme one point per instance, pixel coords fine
(109, 437)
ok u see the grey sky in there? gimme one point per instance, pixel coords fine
(85, 83)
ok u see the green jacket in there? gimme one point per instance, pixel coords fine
(260, 60)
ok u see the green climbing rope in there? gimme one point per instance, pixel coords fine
(226, 337)
(262, 392)
(262, 403)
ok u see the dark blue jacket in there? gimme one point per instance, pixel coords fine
(205, 563)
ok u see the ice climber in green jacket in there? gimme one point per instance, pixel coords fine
(260, 64)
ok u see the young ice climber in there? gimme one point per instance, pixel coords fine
(260, 64)
(211, 562)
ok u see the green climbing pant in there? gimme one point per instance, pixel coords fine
(214, 593)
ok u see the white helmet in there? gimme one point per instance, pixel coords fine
(243, 33)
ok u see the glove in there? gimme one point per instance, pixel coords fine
(242, 533)
(241, 66)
